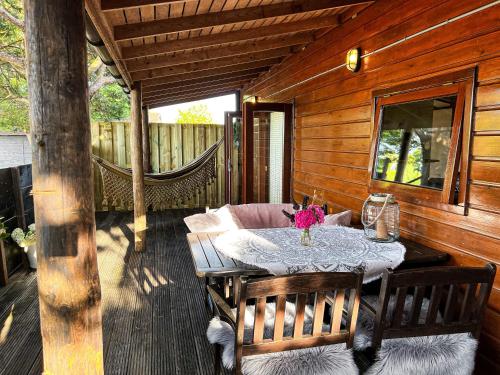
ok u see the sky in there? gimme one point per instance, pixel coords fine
(216, 106)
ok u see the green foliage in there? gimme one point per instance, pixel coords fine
(14, 116)
(196, 114)
(3, 230)
(389, 149)
(13, 86)
(110, 103)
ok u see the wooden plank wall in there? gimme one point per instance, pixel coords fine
(172, 146)
(334, 120)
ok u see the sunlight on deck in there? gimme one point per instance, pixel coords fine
(4, 331)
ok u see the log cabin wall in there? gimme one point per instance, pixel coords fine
(333, 121)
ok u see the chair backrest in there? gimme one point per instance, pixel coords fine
(457, 297)
(326, 292)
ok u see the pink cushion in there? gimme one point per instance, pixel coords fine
(342, 218)
(263, 215)
(220, 220)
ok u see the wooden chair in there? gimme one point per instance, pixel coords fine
(328, 289)
(458, 294)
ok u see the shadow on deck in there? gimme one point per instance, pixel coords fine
(154, 314)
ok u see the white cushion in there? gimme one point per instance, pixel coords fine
(328, 359)
(220, 220)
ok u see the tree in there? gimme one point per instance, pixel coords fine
(196, 114)
(13, 85)
(109, 104)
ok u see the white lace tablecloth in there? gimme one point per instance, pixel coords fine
(334, 249)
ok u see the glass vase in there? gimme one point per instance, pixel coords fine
(305, 238)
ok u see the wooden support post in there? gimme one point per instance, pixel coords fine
(68, 279)
(146, 149)
(140, 223)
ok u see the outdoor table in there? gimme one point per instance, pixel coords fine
(210, 261)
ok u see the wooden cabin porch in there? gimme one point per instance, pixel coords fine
(331, 67)
(153, 305)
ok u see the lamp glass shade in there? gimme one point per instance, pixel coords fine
(353, 60)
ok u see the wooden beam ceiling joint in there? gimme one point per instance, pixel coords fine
(110, 5)
(218, 52)
(211, 40)
(211, 64)
(195, 22)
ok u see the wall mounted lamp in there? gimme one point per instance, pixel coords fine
(353, 59)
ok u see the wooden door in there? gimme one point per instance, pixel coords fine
(267, 164)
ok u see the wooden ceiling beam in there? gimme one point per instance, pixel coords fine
(179, 24)
(200, 97)
(250, 74)
(194, 96)
(217, 53)
(172, 46)
(195, 88)
(109, 5)
(211, 64)
(211, 72)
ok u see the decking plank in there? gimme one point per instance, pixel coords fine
(141, 336)
(154, 313)
(112, 248)
(181, 300)
(164, 347)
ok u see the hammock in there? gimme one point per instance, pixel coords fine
(161, 190)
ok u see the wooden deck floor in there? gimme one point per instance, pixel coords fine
(154, 315)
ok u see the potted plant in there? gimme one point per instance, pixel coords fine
(27, 241)
(3, 230)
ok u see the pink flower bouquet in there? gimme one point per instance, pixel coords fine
(306, 218)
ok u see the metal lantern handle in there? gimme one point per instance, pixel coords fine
(379, 214)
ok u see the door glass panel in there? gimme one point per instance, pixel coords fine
(276, 143)
(236, 159)
(268, 143)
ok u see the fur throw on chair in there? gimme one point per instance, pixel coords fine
(321, 360)
(424, 355)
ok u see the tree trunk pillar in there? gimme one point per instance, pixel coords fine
(145, 140)
(140, 223)
(68, 279)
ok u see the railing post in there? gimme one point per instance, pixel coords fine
(140, 222)
(4, 274)
(16, 188)
(68, 279)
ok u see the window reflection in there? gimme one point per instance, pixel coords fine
(415, 141)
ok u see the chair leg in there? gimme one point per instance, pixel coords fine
(208, 300)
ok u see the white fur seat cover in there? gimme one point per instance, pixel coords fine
(425, 355)
(328, 359)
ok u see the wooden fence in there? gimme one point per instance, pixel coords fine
(172, 146)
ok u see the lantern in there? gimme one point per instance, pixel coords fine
(380, 217)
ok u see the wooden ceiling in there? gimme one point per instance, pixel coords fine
(192, 49)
